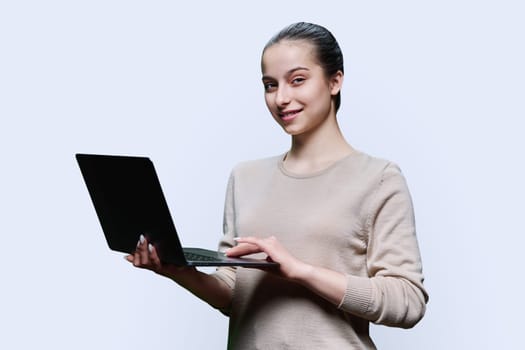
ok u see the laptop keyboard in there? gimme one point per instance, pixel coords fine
(197, 257)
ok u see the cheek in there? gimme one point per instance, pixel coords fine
(268, 101)
(313, 98)
(321, 95)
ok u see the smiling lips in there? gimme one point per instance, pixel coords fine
(289, 115)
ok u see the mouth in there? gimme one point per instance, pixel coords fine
(289, 115)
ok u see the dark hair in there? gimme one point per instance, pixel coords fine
(326, 49)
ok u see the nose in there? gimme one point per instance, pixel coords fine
(282, 96)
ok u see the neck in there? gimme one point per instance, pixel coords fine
(319, 149)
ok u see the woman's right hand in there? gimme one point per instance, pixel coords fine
(210, 289)
(146, 257)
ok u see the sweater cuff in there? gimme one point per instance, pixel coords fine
(358, 295)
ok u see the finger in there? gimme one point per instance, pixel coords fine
(264, 244)
(243, 249)
(154, 257)
(136, 258)
(137, 255)
(143, 250)
(129, 258)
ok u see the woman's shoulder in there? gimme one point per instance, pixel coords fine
(369, 164)
(382, 174)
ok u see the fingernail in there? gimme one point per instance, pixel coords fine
(150, 247)
(236, 238)
(142, 239)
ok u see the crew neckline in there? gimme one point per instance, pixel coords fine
(288, 173)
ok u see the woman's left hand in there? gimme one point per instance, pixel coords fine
(329, 284)
(289, 266)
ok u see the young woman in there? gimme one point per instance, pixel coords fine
(339, 222)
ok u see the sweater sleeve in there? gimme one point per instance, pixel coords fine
(393, 293)
(227, 274)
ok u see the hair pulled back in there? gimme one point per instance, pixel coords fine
(326, 49)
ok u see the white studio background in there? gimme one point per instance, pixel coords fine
(437, 87)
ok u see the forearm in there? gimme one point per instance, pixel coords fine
(328, 284)
(396, 303)
(206, 287)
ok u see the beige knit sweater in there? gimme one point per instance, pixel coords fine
(355, 217)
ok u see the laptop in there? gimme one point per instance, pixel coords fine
(129, 201)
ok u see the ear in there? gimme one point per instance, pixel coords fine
(336, 83)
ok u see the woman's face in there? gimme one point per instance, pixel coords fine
(297, 91)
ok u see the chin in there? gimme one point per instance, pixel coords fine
(292, 131)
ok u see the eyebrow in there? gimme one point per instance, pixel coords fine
(290, 72)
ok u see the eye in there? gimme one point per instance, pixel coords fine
(298, 81)
(269, 86)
